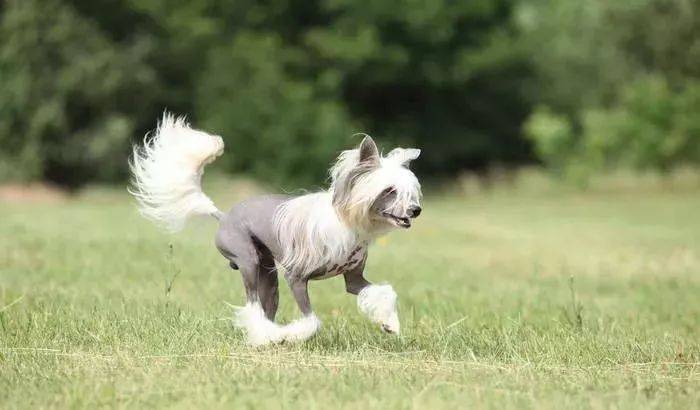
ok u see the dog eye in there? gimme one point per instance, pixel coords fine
(388, 190)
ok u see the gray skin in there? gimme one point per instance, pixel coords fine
(247, 238)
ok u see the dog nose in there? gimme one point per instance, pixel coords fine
(414, 211)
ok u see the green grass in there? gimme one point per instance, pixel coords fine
(508, 300)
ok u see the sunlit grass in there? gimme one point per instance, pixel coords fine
(508, 299)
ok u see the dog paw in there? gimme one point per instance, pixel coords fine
(378, 302)
(258, 329)
(388, 329)
(301, 329)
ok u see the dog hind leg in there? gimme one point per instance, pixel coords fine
(243, 253)
(268, 291)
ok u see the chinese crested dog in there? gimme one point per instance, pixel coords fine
(313, 236)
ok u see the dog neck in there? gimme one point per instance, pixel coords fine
(312, 234)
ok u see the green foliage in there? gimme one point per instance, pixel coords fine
(69, 95)
(288, 96)
(552, 135)
(446, 76)
(286, 83)
(280, 128)
(619, 81)
(652, 127)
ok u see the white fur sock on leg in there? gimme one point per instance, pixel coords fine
(261, 331)
(258, 328)
(378, 302)
(301, 329)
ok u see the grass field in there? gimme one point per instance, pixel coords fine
(508, 300)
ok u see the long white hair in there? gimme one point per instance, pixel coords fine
(167, 172)
(357, 182)
(322, 228)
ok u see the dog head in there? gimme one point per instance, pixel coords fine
(374, 193)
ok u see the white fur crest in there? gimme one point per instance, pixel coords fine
(167, 172)
(403, 156)
(378, 302)
(318, 229)
(262, 331)
(366, 187)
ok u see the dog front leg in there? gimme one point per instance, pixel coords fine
(301, 329)
(377, 302)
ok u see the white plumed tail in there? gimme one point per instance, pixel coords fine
(167, 172)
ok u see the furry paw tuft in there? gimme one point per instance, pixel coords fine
(262, 331)
(378, 302)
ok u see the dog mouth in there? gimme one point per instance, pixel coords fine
(401, 222)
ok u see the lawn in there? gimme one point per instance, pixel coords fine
(509, 299)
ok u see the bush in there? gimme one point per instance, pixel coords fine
(68, 105)
(619, 81)
(285, 83)
(653, 127)
(442, 76)
(277, 127)
(553, 137)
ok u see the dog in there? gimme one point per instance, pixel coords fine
(312, 236)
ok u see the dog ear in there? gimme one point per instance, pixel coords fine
(367, 160)
(404, 156)
(369, 153)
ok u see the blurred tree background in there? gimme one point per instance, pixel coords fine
(579, 86)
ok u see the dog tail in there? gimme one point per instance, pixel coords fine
(167, 172)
